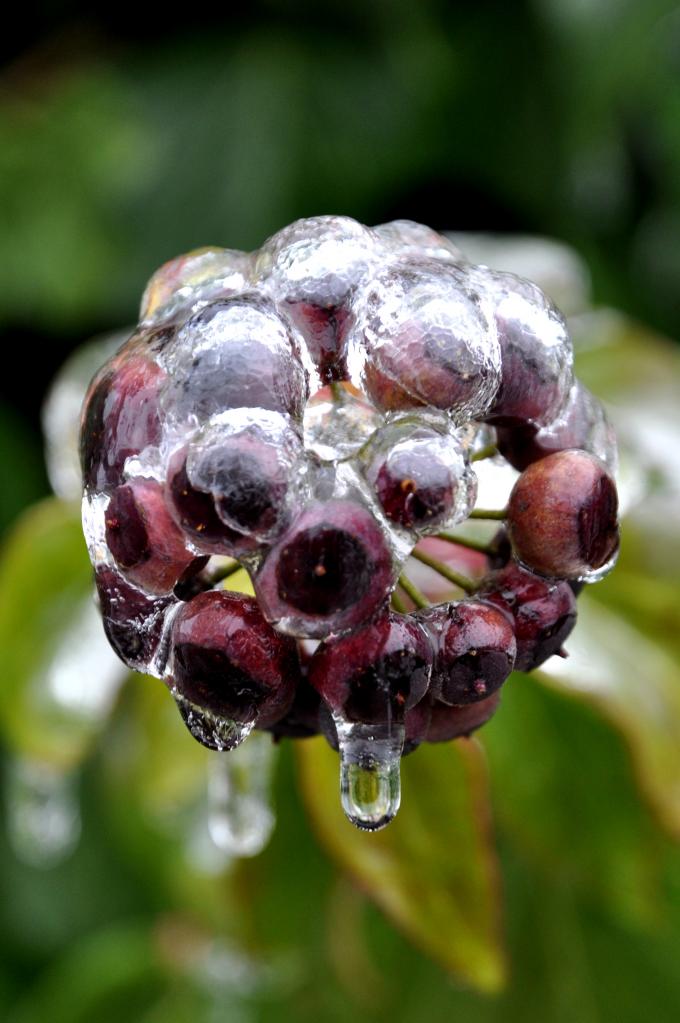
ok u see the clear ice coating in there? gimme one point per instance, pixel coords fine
(209, 729)
(370, 778)
(407, 238)
(581, 422)
(317, 261)
(235, 353)
(240, 816)
(535, 348)
(422, 336)
(309, 410)
(191, 281)
(419, 472)
(252, 466)
(338, 421)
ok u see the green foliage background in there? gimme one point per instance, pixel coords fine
(533, 877)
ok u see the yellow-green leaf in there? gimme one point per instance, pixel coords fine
(432, 870)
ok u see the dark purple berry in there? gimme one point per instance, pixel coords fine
(475, 650)
(581, 424)
(195, 512)
(146, 544)
(325, 333)
(536, 351)
(448, 723)
(543, 612)
(133, 621)
(415, 488)
(302, 720)
(562, 515)
(331, 571)
(417, 723)
(375, 674)
(228, 661)
(236, 353)
(428, 340)
(247, 480)
(120, 418)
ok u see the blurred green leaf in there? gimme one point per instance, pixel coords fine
(45, 588)
(105, 976)
(433, 869)
(635, 684)
(563, 790)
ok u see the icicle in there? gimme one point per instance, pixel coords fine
(370, 783)
(240, 817)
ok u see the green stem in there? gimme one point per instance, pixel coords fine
(338, 392)
(412, 591)
(398, 604)
(454, 577)
(466, 541)
(487, 513)
(488, 451)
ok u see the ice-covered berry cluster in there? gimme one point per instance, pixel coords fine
(309, 413)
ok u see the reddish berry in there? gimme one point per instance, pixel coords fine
(543, 612)
(375, 674)
(331, 571)
(562, 515)
(142, 537)
(134, 622)
(448, 723)
(228, 661)
(120, 418)
(475, 650)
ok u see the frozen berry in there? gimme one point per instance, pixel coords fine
(203, 274)
(536, 351)
(408, 238)
(374, 675)
(194, 510)
(311, 268)
(420, 477)
(427, 340)
(543, 612)
(120, 418)
(448, 723)
(142, 537)
(331, 571)
(228, 661)
(416, 725)
(562, 515)
(302, 720)
(581, 424)
(475, 650)
(134, 622)
(236, 353)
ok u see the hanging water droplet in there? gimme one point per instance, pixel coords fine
(43, 812)
(240, 818)
(214, 732)
(597, 574)
(370, 782)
